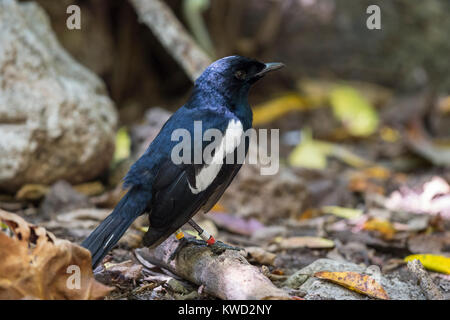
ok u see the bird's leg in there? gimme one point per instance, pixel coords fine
(209, 239)
(217, 247)
(183, 241)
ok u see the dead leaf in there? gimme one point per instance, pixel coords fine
(437, 152)
(389, 134)
(32, 192)
(124, 271)
(318, 91)
(312, 154)
(109, 199)
(278, 107)
(34, 263)
(304, 242)
(236, 224)
(355, 112)
(260, 255)
(357, 282)
(432, 262)
(78, 219)
(347, 213)
(90, 188)
(380, 225)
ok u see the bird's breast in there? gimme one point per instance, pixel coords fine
(230, 141)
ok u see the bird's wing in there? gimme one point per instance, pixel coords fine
(220, 189)
(177, 192)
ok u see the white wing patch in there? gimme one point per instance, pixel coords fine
(228, 144)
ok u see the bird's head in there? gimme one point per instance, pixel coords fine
(233, 76)
(239, 70)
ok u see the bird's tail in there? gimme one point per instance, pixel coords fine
(108, 233)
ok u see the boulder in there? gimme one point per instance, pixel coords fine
(56, 119)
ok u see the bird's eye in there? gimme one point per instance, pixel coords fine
(240, 75)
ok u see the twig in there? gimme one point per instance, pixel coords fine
(227, 276)
(173, 36)
(426, 283)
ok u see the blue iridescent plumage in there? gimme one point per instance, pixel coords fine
(163, 189)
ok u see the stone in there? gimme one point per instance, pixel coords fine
(317, 289)
(63, 198)
(56, 119)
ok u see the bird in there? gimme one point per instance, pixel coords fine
(171, 193)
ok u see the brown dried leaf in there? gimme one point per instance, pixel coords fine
(261, 256)
(127, 270)
(32, 192)
(34, 263)
(304, 242)
(360, 283)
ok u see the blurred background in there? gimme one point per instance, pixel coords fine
(364, 118)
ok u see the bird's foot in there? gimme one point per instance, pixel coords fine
(219, 247)
(184, 242)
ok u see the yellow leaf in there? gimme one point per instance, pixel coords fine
(123, 145)
(317, 91)
(311, 154)
(32, 192)
(389, 134)
(354, 111)
(432, 262)
(380, 225)
(377, 172)
(304, 242)
(90, 188)
(357, 282)
(347, 213)
(276, 108)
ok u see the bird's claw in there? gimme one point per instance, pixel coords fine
(184, 242)
(219, 247)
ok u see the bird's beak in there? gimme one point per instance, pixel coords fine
(271, 66)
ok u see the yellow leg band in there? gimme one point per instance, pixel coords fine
(179, 234)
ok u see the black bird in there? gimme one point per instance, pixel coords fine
(173, 193)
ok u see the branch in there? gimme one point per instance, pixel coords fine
(173, 36)
(426, 283)
(227, 276)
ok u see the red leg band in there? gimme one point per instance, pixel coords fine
(211, 241)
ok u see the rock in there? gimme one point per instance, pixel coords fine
(63, 198)
(56, 120)
(320, 289)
